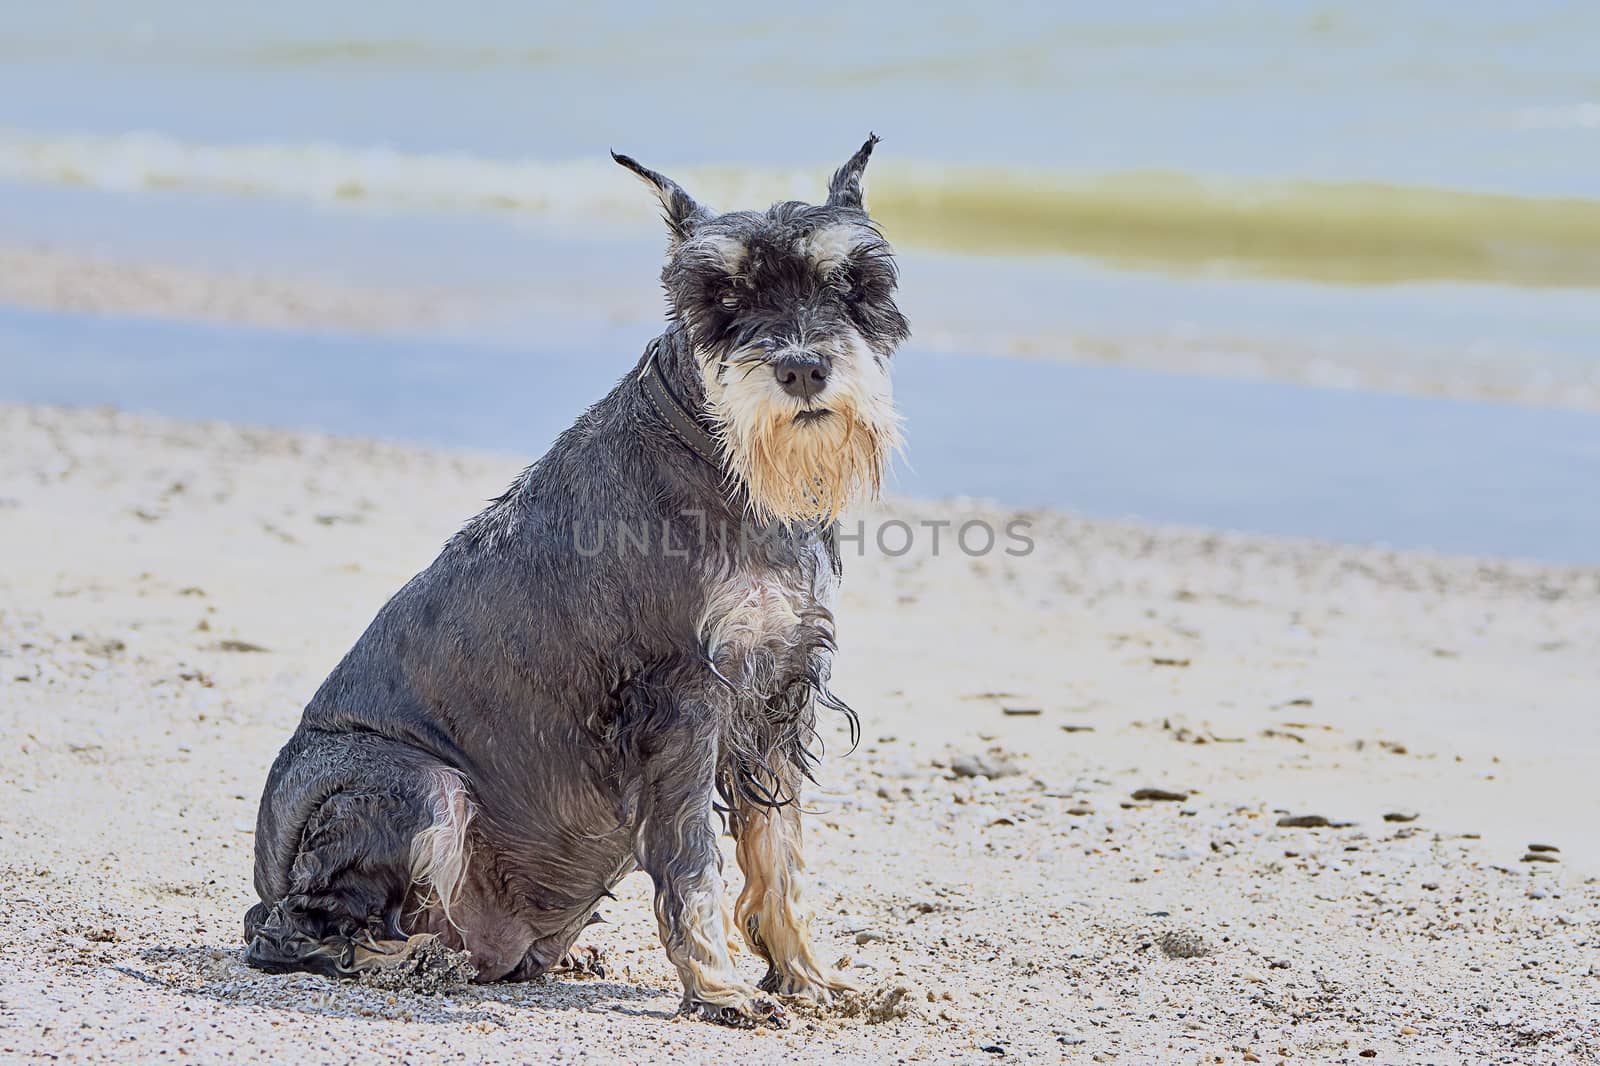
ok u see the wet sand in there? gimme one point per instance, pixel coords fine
(173, 592)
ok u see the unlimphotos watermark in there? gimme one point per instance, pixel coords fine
(691, 533)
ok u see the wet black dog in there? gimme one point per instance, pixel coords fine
(634, 637)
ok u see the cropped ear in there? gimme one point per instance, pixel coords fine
(845, 188)
(682, 214)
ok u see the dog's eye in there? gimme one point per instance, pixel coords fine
(844, 283)
(729, 300)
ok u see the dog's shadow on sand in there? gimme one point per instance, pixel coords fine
(220, 974)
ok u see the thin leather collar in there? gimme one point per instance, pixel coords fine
(684, 425)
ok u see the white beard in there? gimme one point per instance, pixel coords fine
(801, 472)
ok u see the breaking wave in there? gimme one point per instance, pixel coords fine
(1346, 232)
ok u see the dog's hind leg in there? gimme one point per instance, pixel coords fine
(677, 846)
(770, 911)
(354, 829)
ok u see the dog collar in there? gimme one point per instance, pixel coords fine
(684, 425)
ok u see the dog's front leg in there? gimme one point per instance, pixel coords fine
(770, 911)
(677, 846)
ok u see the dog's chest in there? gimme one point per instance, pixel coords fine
(763, 627)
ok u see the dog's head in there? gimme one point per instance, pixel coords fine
(792, 316)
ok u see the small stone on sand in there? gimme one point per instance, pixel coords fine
(975, 765)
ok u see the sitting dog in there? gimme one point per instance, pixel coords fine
(631, 641)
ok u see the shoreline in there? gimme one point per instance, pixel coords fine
(61, 277)
(186, 585)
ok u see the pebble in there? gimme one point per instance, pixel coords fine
(1310, 821)
(976, 765)
(1400, 816)
(870, 936)
(1182, 944)
(1160, 794)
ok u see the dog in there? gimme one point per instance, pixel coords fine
(630, 643)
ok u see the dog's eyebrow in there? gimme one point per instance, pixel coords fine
(730, 250)
(831, 246)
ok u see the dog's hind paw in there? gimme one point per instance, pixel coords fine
(754, 1012)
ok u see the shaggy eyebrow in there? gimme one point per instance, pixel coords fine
(832, 246)
(731, 252)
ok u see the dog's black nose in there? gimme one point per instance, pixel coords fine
(800, 374)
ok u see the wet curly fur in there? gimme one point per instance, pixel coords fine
(629, 641)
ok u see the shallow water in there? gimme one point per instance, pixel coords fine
(1446, 338)
(1415, 185)
(1364, 143)
(1409, 472)
(1403, 197)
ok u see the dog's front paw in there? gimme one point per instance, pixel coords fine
(820, 987)
(748, 1012)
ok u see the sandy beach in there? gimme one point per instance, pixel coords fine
(1138, 796)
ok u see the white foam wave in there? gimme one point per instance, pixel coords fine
(379, 177)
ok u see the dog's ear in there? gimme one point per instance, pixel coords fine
(845, 188)
(682, 214)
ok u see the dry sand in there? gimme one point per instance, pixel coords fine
(172, 592)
